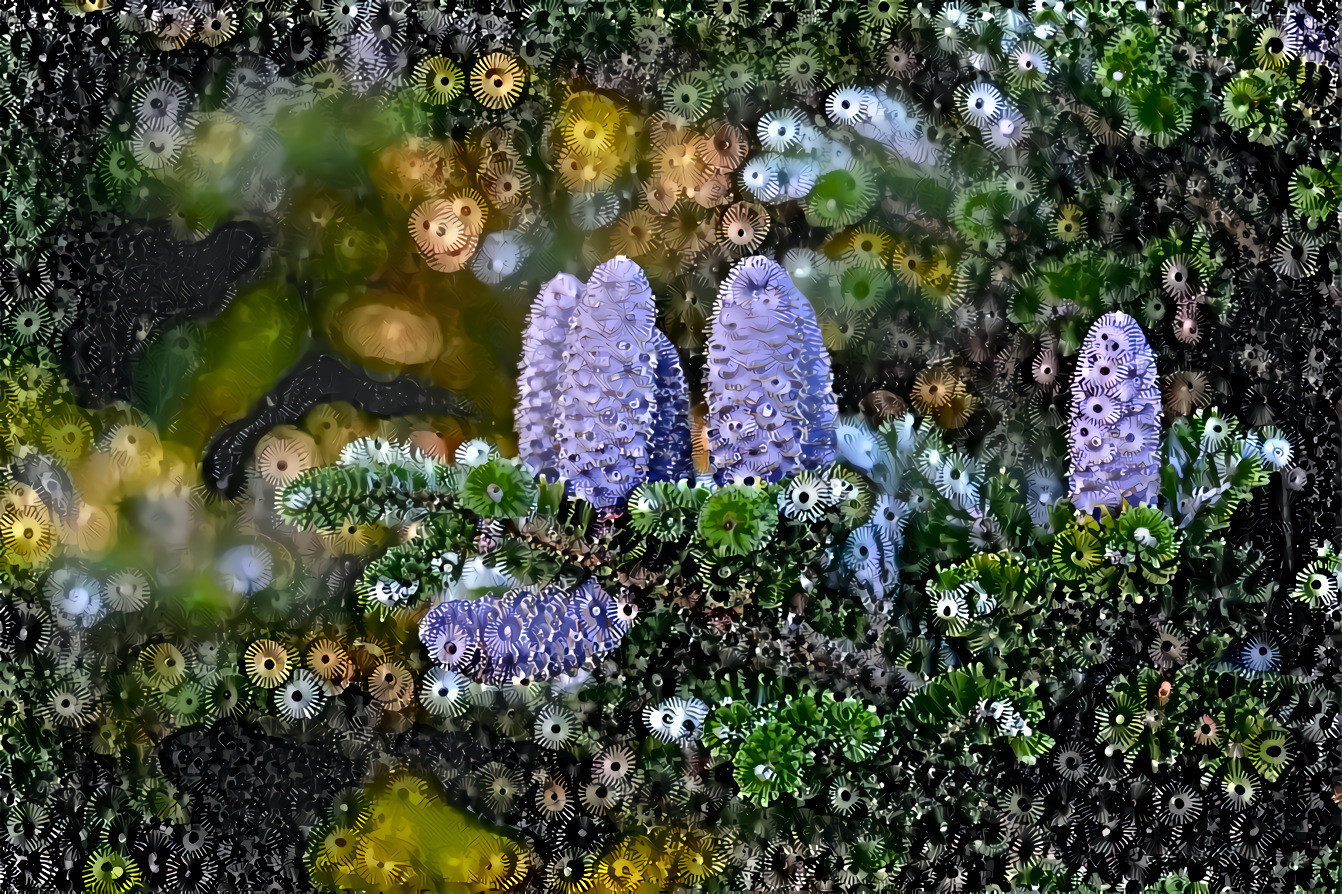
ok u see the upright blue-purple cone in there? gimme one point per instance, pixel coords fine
(1115, 426)
(608, 394)
(771, 407)
(671, 455)
(536, 414)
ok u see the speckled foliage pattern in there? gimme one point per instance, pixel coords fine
(644, 446)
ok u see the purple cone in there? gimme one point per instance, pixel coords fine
(671, 423)
(542, 360)
(770, 391)
(528, 632)
(1115, 425)
(607, 386)
(602, 395)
